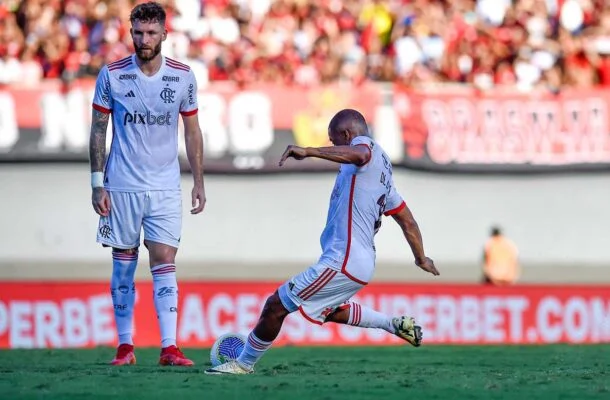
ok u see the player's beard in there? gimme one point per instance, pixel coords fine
(146, 54)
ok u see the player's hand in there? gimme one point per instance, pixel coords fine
(198, 199)
(296, 152)
(428, 265)
(100, 201)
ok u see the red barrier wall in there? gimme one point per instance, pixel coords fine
(81, 314)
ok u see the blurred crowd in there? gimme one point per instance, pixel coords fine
(486, 43)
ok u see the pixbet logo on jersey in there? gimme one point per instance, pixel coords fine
(147, 119)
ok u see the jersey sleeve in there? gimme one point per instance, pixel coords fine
(394, 202)
(102, 98)
(188, 104)
(366, 142)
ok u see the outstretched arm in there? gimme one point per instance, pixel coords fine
(194, 151)
(357, 155)
(410, 229)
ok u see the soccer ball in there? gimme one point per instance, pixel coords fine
(226, 348)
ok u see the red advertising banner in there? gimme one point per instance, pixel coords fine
(56, 315)
(244, 128)
(461, 129)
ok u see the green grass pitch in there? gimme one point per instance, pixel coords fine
(434, 372)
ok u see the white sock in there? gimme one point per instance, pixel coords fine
(253, 351)
(123, 291)
(365, 317)
(165, 295)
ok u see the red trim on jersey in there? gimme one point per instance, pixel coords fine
(119, 64)
(189, 113)
(175, 61)
(179, 68)
(370, 153)
(395, 210)
(176, 64)
(101, 109)
(308, 318)
(349, 234)
(119, 61)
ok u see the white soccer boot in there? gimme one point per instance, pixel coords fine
(232, 368)
(406, 329)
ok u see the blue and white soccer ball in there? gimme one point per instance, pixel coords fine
(226, 348)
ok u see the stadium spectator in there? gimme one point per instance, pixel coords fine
(500, 260)
(486, 43)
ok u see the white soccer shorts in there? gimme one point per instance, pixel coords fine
(317, 292)
(158, 212)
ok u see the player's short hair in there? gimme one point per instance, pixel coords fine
(148, 12)
(348, 118)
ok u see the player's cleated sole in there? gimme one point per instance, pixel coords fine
(406, 329)
(228, 368)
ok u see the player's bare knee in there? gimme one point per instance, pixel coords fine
(161, 253)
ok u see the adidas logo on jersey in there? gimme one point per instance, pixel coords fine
(130, 94)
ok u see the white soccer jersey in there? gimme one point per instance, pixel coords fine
(361, 196)
(145, 116)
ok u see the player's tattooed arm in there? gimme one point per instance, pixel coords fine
(97, 140)
(357, 155)
(97, 156)
(411, 231)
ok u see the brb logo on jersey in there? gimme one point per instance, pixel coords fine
(146, 119)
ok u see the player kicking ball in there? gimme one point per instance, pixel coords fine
(363, 193)
(139, 187)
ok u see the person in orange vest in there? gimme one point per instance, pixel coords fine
(500, 260)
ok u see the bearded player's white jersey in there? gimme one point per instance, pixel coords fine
(361, 196)
(145, 116)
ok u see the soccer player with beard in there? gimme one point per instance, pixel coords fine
(138, 187)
